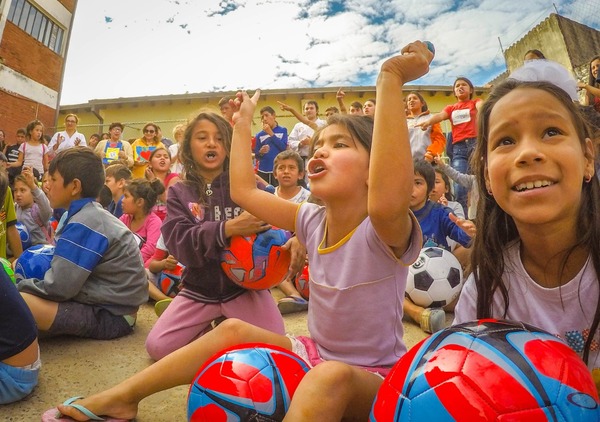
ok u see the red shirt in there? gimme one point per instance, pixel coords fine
(463, 117)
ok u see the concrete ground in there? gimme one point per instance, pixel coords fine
(73, 366)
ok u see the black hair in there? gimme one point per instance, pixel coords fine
(148, 191)
(425, 169)
(83, 164)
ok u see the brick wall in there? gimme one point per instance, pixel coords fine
(16, 111)
(26, 55)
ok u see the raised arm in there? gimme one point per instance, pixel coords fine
(298, 115)
(340, 99)
(265, 206)
(390, 192)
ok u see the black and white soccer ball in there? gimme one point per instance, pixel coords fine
(434, 279)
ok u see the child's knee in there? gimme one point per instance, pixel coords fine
(157, 346)
(331, 374)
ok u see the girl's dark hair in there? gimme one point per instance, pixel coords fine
(191, 172)
(148, 191)
(468, 81)
(153, 153)
(360, 127)
(496, 229)
(449, 195)
(31, 125)
(424, 106)
(591, 81)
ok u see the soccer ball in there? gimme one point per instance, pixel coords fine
(34, 262)
(301, 283)
(257, 261)
(23, 235)
(251, 382)
(434, 279)
(488, 370)
(6, 265)
(169, 281)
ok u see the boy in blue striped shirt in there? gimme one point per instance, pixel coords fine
(96, 280)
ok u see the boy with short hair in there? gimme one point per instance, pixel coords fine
(117, 176)
(269, 142)
(289, 171)
(436, 226)
(11, 151)
(96, 281)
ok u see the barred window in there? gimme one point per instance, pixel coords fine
(31, 20)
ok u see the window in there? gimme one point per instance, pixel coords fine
(31, 20)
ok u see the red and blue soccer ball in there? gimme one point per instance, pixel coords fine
(301, 283)
(34, 262)
(257, 261)
(250, 382)
(169, 281)
(488, 370)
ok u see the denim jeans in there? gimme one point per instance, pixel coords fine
(461, 154)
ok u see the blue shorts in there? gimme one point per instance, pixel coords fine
(17, 383)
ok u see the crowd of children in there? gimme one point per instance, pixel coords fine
(526, 220)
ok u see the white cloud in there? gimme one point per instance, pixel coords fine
(162, 47)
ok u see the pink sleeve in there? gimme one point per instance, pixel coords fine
(152, 225)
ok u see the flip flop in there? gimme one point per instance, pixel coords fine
(291, 304)
(53, 415)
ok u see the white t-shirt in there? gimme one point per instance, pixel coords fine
(566, 312)
(33, 155)
(66, 141)
(176, 167)
(300, 197)
(298, 133)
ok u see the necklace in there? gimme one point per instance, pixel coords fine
(208, 190)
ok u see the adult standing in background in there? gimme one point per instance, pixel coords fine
(67, 138)
(115, 148)
(143, 147)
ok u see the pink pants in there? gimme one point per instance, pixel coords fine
(185, 320)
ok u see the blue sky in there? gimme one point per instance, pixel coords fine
(130, 48)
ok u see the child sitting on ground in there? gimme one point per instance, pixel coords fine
(19, 352)
(139, 198)
(161, 261)
(96, 281)
(33, 208)
(288, 169)
(436, 225)
(117, 175)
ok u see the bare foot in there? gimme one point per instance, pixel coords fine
(102, 404)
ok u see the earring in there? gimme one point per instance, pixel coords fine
(588, 178)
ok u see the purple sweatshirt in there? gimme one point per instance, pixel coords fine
(195, 235)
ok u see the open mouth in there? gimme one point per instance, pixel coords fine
(521, 187)
(211, 155)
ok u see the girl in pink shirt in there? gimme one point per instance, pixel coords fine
(138, 199)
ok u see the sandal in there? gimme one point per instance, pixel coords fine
(432, 320)
(291, 304)
(53, 415)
